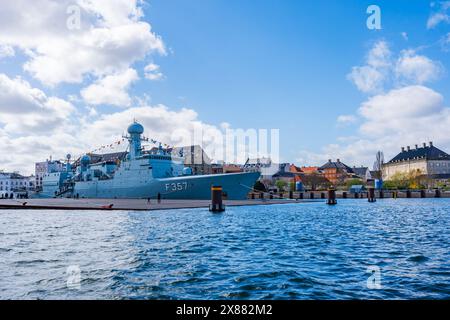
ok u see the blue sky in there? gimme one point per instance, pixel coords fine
(252, 64)
(279, 64)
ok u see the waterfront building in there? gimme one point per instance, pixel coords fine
(195, 158)
(426, 160)
(45, 167)
(309, 170)
(265, 166)
(232, 168)
(336, 172)
(15, 185)
(363, 173)
(217, 168)
(294, 169)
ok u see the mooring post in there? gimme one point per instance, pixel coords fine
(371, 195)
(344, 195)
(381, 194)
(253, 196)
(216, 199)
(261, 195)
(331, 196)
(437, 193)
(408, 193)
(422, 194)
(291, 194)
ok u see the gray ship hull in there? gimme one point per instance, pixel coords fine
(235, 186)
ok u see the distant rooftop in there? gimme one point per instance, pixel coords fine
(360, 171)
(338, 165)
(429, 152)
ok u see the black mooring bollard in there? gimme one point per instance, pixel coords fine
(261, 195)
(331, 196)
(311, 195)
(300, 196)
(322, 195)
(253, 196)
(423, 194)
(216, 199)
(344, 195)
(371, 195)
(437, 193)
(291, 194)
(408, 194)
(381, 194)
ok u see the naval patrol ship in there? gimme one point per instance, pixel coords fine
(142, 174)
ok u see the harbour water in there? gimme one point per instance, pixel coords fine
(291, 251)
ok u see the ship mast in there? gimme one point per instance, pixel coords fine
(135, 130)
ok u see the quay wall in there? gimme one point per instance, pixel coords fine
(347, 195)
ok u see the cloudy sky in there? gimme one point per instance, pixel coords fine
(334, 88)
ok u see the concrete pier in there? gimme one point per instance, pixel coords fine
(126, 204)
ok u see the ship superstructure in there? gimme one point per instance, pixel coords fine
(142, 174)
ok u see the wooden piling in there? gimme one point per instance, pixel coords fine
(331, 196)
(371, 195)
(216, 199)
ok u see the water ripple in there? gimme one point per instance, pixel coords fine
(298, 251)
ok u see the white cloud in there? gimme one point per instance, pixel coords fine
(406, 116)
(110, 39)
(416, 69)
(382, 69)
(367, 79)
(24, 109)
(440, 16)
(399, 110)
(6, 51)
(34, 126)
(404, 36)
(371, 77)
(380, 55)
(346, 119)
(111, 89)
(152, 72)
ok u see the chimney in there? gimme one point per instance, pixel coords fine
(424, 145)
(417, 147)
(408, 148)
(431, 143)
(403, 149)
(329, 160)
(338, 160)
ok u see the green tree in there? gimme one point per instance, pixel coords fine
(259, 186)
(413, 179)
(281, 184)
